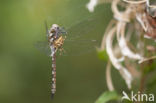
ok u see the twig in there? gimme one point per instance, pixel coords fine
(108, 77)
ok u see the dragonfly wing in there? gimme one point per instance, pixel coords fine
(71, 48)
(46, 27)
(81, 37)
(43, 47)
(62, 30)
(82, 28)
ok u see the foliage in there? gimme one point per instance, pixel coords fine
(102, 54)
(107, 96)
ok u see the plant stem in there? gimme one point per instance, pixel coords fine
(142, 80)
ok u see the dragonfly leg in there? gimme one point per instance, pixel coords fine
(61, 50)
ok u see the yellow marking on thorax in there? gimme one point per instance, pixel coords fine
(59, 42)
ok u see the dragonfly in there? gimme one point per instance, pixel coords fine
(56, 41)
(75, 40)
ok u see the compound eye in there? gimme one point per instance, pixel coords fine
(57, 28)
(52, 31)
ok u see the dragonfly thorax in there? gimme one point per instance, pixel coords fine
(55, 38)
(58, 42)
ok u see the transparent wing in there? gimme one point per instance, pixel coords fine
(46, 27)
(81, 37)
(69, 48)
(78, 48)
(43, 47)
(62, 31)
(81, 29)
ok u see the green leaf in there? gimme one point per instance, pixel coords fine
(127, 101)
(102, 54)
(107, 96)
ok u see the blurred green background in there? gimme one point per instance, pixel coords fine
(25, 72)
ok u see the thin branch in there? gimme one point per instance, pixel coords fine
(108, 77)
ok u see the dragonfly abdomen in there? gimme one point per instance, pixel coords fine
(53, 86)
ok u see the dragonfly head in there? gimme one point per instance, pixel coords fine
(55, 31)
(54, 28)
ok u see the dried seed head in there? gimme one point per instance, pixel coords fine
(93, 3)
(151, 8)
(151, 23)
